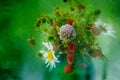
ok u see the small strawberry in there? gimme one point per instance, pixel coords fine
(70, 58)
(69, 21)
(96, 53)
(96, 31)
(71, 47)
(68, 68)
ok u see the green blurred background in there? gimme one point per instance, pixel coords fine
(18, 59)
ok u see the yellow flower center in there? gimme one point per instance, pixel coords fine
(50, 56)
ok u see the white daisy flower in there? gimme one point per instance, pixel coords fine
(49, 55)
(105, 28)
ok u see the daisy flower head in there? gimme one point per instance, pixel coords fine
(49, 56)
(105, 28)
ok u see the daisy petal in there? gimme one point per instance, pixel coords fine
(45, 54)
(47, 65)
(46, 45)
(42, 51)
(51, 67)
(110, 31)
(50, 46)
(54, 65)
(46, 61)
(57, 61)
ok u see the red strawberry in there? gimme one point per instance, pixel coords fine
(96, 31)
(68, 68)
(71, 48)
(96, 53)
(69, 21)
(70, 58)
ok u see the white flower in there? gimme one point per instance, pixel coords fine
(49, 55)
(105, 28)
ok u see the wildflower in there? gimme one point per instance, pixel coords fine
(67, 33)
(49, 56)
(105, 28)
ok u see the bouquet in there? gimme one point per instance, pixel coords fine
(71, 32)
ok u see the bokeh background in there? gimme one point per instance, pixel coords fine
(18, 59)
